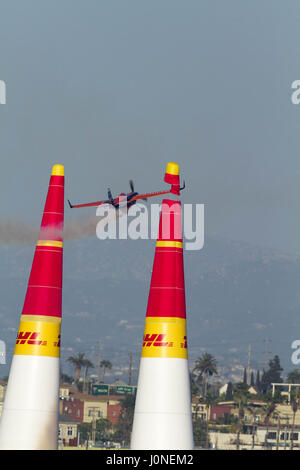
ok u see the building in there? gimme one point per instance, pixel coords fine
(254, 412)
(285, 414)
(209, 412)
(223, 389)
(217, 412)
(113, 413)
(281, 437)
(285, 389)
(263, 438)
(67, 431)
(3, 386)
(88, 408)
(199, 410)
(228, 441)
(66, 390)
(72, 408)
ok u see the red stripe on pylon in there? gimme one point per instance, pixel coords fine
(171, 179)
(44, 292)
(167, 289)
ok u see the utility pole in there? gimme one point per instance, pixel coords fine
(94, 409)
(278, 432)
(285, 430)
(239, 427)
(99, 360)
(249, 361)
(130, 369)
(267, 354)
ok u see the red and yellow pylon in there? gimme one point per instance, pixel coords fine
(30, 413)
(162, 417)
(166, 311)
(172, 177)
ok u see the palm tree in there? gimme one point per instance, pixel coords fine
(240, 396)
(86, 364)
(277, 416)
(293, 376)
(245, 376)
(269, 409)
(106, 365)
(66, 379)
(257, 382)
(77, 362)
(294, 406)
(205, 365)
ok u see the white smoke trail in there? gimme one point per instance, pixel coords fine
(12, 232)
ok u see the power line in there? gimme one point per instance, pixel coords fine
(249, 360)
(99, 360)
(130, 369)
(267, 340)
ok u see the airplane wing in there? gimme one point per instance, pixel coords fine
(90, 204)
(147, 195)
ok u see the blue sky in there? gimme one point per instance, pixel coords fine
(115, 89)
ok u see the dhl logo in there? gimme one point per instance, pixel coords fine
(29, 337)
(165, 337)
(38, 338)
(156, 340)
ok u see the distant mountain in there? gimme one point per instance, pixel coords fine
(237, 295)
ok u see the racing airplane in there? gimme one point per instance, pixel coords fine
(127, 200)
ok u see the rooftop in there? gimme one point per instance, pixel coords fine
(65, 420)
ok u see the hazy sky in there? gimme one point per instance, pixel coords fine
(115, 89)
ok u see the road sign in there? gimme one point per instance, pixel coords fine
(125, 390)
(99, 389)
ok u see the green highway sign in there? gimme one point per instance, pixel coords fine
(100, 390)
(125, 390)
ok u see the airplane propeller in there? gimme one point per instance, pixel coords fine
(132, 189)
(109, 194)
